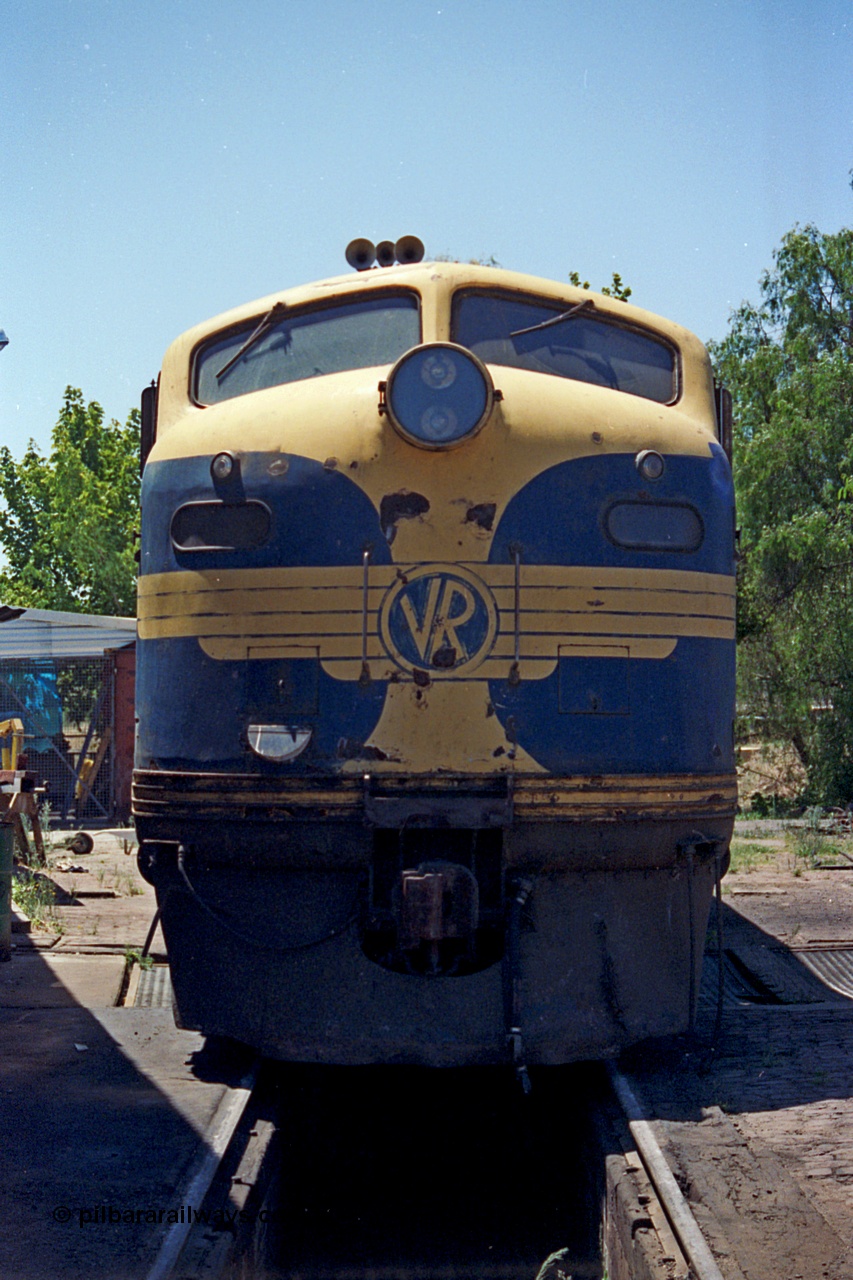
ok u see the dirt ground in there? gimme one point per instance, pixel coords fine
(791, 880)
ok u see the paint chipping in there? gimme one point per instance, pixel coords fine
(482, 514)
(400, 506)
(350, 749)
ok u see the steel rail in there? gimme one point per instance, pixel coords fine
(693, 1243)
(203, 1170)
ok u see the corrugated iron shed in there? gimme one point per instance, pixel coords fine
(45, 633)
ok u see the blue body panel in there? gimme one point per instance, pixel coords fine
(610, 715)
(202, 705)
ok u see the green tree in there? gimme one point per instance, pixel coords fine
(616, 289)
(68, 519)
(789, 364)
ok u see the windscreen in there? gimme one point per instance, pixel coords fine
(289, 346)
(566, 342)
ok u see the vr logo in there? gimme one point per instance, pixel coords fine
(440, 619)
(436, 632)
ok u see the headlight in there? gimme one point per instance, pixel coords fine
(438, 395)
(278, 742)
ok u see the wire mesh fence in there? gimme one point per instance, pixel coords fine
(67, 706)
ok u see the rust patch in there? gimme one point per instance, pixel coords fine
(421, 678)
(445, 657)
(400, 506)
(482, 514)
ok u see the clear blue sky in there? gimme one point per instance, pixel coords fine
(163, 160)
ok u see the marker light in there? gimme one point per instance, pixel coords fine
(650, 464)
(222, 466)
(438, 395)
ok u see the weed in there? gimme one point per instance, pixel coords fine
(746, 855)
(809, 845)
(134, 956)
(36, 896)
(813, 817)
(125, 884)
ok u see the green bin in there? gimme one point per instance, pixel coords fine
(7, 844)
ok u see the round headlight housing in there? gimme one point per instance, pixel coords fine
(438, 395)
(650, 464)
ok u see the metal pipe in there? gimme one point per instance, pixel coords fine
(693, 1243)
(512, 979)
(718, 915)
(365, 669)
(691, 925)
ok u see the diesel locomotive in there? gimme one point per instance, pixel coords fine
(435, 669)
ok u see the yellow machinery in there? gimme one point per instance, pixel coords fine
(17, 794)
(11, 731)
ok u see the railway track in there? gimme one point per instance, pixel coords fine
(406, 1174)
(221, 1193)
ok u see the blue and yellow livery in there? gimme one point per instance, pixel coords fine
(436, 668)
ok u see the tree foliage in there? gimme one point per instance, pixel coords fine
(616, 289)
(68, 520)
(789, 363)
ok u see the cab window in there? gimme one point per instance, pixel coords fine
(566, 341)
(291, 345)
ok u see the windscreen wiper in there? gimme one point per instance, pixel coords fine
(546, 324)
(275, 313)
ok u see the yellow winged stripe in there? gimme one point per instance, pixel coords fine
(561, 609)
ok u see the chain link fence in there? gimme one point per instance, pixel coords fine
(67, 706)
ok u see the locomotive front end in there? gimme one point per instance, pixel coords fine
(436, 670)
